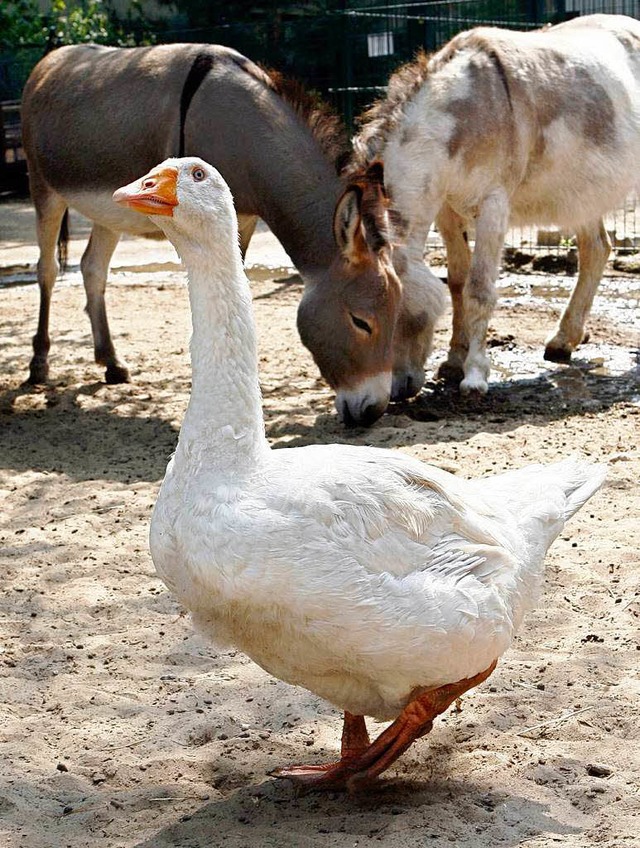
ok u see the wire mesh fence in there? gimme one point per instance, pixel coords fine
(622, 225)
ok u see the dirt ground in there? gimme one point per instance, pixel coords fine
(120, 727)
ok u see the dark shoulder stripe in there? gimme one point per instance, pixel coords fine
(201, 66)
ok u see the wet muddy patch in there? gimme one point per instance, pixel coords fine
(520, 386)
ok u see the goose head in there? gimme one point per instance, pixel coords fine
(190, 201)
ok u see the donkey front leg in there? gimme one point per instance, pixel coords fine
(453, 229)
(479, 296)
(50, 209)
(593, 251)
(95, 266)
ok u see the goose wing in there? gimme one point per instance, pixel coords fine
(395, 515)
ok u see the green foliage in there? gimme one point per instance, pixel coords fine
(78, 24)
(26, 33)
(20, 24)
(69, 22)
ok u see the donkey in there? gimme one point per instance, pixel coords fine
(503, 127)
(96, 117)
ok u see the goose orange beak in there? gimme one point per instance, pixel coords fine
(153, 194)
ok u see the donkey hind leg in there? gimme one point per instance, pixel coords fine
(49, 214)
(593, 251)
(453, 229)
(479, 296)
(95, 266)
(246, 227)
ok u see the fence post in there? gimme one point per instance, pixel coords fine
(536, 11)
(560, 12)
(3, 139)
(347, 68)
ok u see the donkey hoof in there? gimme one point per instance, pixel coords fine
(557, 354)
(450, 373)
(474, 386)
(117, 374)
(38, 374)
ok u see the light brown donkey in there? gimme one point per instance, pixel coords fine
(503, 127)
(94, 118)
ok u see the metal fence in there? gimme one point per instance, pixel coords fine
(623, 226)
(376, 38)
(15, 67)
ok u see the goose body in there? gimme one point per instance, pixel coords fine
(360, 574)
(385, 585)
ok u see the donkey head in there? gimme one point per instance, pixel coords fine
(347, 321)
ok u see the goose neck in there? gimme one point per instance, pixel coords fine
(223, 429)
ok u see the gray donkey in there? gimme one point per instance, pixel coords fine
(94, 118)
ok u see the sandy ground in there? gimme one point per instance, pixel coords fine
(121, 727)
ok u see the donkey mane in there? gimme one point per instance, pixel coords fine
(326, 126)
(374, 206)
(376, 123)
(324, 123)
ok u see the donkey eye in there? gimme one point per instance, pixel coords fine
(361, 324)
(198, 174)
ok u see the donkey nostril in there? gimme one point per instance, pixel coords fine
(406, 387)
(370, 414)
(414, 385)
(347, 418)
(360, 418)
(344, 413)
(401, 389)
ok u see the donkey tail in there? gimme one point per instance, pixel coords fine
(63, 242)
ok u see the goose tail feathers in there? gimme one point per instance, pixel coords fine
(544, 496)
(581, 480)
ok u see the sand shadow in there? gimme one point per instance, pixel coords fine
(562, 392)
(94, 443)
(408, 811)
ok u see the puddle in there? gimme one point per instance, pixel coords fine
(151, 268)
(151, 273)
(23, 275)
(618, 298)
(599, 360)
(277, 273)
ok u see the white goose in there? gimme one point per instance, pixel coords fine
(387, 586)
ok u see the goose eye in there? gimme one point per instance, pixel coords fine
(198, 174)
(361, 324)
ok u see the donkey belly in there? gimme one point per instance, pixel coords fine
(573, 196)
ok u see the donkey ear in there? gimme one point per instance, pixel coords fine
(347, 220)
(374, 210)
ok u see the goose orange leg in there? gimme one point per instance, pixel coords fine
(361, 762)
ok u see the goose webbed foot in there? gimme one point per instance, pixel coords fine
(361, 762)
(355, 742)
